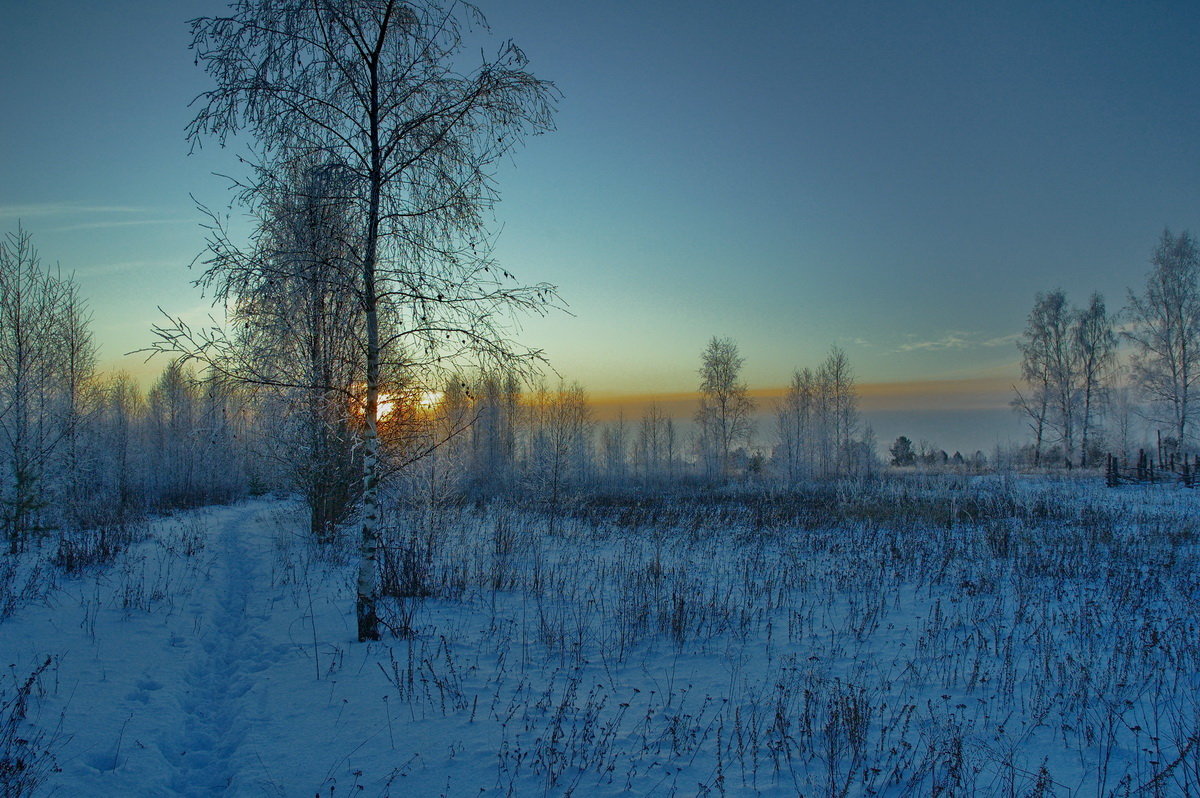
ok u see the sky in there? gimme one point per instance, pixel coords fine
(897, 179)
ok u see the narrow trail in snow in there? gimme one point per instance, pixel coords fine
(228, 651)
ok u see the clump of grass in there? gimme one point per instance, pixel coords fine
(27, 755)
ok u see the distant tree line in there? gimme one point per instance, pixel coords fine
(281, 409)
(903, 454)
(81, 450)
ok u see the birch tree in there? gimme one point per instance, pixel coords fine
(79, 404)
(836, 380)
(46, 370)
(820, 428)
(1165, 331)
(725, 404)
(1095, 345)
(493, 433)
(435, 480)
(298, 335)
(1048, 369)
(381, 90)
(173, 405)
(124, 451)
(560, 436)
(614, 450)
(652, 449)
(796, 421)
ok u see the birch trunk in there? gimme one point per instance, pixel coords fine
(368, 572)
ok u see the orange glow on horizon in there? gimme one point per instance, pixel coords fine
(990, 392)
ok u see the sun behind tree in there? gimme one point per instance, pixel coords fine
(380, 91)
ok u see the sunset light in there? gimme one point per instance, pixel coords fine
(386, 406)
(390, 403)
(770, 398)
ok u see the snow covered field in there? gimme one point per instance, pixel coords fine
(989, 637)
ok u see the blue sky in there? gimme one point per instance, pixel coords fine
(897, 179)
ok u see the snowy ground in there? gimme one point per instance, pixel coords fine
(989, 639)
(195, 675)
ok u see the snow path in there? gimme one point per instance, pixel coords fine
(155, 685)
(214, 657)
(207, 755)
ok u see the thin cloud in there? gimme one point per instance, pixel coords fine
(952, 339)
(1003, 340)
(62, 209)
(72, 216)
(120, 267)
(957, 340)
(122, 223)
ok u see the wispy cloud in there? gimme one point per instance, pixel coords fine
(1003, 340)
(65, 217)
(956, 340)
(115, 223)
(119, 267)
(951, 339)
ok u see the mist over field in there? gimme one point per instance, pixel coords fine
(966, 431)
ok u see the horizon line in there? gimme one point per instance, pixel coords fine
(990, 393)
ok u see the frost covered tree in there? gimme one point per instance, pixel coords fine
(80, 402)
(173, 406)
(820, 429)
(436, 461)
(47, 362)
(1067, 359)
(796, 416)
(123, 450)
(839, 410)
(559, 447)
(1095, 344)
(1165, 331)
(493, 433)
(725, 405)
(1048, 369)
(614, 450)
(654, 447)
(385, 92)
(297, 335)
(1123, 412)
